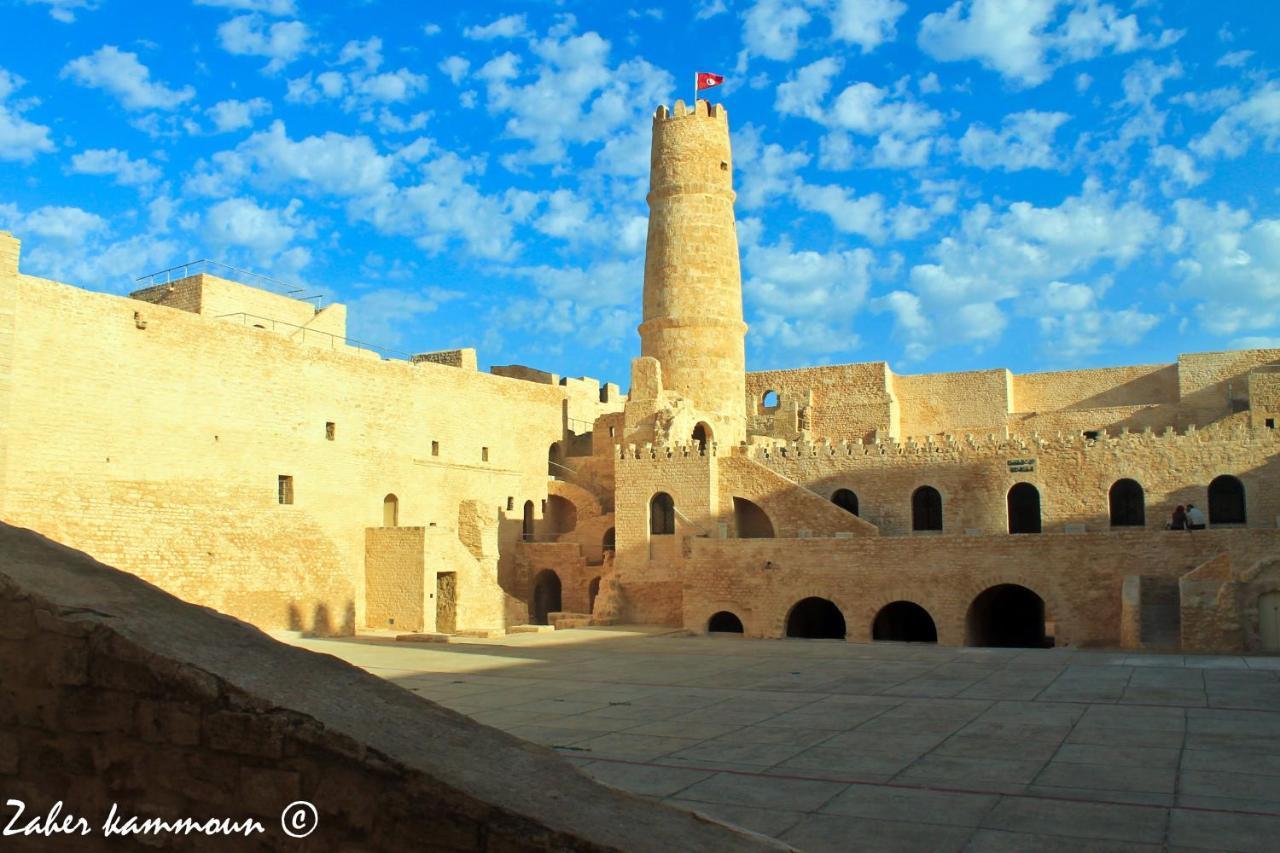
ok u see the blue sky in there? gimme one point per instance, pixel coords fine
(1037, 184)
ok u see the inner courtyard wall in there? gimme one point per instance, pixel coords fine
(154, 438)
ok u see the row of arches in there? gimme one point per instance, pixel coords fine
(1002, 616)
(1126, 502)
(547, 596)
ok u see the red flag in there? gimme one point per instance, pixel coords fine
(706, 80)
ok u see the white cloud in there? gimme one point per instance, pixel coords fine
(380, 316)
(869, 110)
(709, 9)
(849, 213)
(866, 23)
(363, 91)
(276, 8)
(122, 75)
(1257, 118)
(1024, 141)
(575, 95)
(771, 168)
(114, 162)
(1018, 39)
(1234, 59)
(807, 88)
(455, 68)
(1178, 167)
(1230, 265)
(1083, 82)
(929, 84)
(281, 42)
(264, 232)
(993, 257)
(507, 27)
(1075, 326)
(20, 140)
(65, 10)
(233, 115)
(1144, 80)
(771, 28)
(567, 216)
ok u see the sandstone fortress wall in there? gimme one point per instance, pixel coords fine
(233, 446)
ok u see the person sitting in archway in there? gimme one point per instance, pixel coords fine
(1179, 519)
(1195, 518)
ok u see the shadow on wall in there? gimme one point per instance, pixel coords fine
(322, 623)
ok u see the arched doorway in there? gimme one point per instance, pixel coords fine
(1269, 621)
(816, 619)
(846, 500)
(724, 622)
(609, 543)
(554, 465)
(593, 589)
(662, 515)
(1128, 504)
(1006, 616)
(526, 527)
(1226, 500)
(926, 509)
(1024, 508)
(561, 515)
(546, 596)
(391, 511)
(751, 521)
(904, 622)
(701, 437)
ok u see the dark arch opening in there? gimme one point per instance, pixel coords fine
(546, 596)
(751, 521)
(701, 436)
(724, 622)
(926, 509)
(610, 541)
(1226, 500)
(391, 511)
(846, 500)
(593, 589)
(1024, 508)
(561, 515)
(816, 619)
(904, 622)
(1006, 616)
(1128, 504)
(526, 527)
(770, 400)
(662, 515)
(553, 460)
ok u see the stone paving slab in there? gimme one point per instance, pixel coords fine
(845, 746)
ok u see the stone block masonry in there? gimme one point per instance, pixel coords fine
(114, 692)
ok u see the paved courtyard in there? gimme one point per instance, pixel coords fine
(837, 746)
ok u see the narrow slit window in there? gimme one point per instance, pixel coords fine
(435, 448)
(484, 454)
(284, 489)
(330, 429)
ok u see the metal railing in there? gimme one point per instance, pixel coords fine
(300, 334)
(211, 267)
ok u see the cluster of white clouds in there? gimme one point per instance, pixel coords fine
(565, 97)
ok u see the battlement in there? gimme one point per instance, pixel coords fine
(701, 109)
(648, 452)
(949, 447)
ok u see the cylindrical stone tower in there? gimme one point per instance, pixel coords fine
(692, 282)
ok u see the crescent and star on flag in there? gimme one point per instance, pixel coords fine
(705, 80)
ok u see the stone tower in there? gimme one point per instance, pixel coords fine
(692, 282)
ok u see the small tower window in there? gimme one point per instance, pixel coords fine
(435, 448)
(484, 454)
(284, 489)
(330, 429)
(511, 504)
(770, 400)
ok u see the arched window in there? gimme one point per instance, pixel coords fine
(926, 509)
(846, 500)
(701, 436)
(610, 540)
(554, 468)
(1024, 508)
(662, 515)
(391, 511)
(1226, 501)
(751, 521)
(770, 400)
(1128, 504)
(526, 529)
